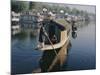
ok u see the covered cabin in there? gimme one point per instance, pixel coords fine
(56, 28)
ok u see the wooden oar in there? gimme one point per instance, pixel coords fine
(50, 42)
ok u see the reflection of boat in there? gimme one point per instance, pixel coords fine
(52, 62)
(34, 32)
(58, 28)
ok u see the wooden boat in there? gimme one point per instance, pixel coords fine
(58, 27)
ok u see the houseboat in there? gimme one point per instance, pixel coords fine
(15, 26)
(28, 19)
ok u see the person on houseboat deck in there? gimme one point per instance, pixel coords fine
(41, 38)
(54, 39)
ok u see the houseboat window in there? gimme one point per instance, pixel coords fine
(17, 16)
(15, 23)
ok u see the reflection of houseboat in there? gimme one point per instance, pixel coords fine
(55, 28)
(15, 26)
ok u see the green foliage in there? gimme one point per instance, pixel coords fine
(19, 6)
(31, 5)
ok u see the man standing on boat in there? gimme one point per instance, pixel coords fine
(42, 35)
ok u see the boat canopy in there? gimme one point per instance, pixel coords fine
(62, 24)
(61, 27)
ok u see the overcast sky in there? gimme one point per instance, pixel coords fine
(88, 8)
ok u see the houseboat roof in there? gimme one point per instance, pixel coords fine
(15, 19)
(62, 22)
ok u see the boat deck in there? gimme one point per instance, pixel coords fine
(58, 45)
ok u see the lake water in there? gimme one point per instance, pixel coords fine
(81, 55)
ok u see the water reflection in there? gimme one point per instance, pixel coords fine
(82, 24)
(78, 25)
(46, 61)
(50, 62)
(82, 53)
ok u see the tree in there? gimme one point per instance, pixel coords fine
(31, 5)
(19, 6)
(75, 11)
(68, 10)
